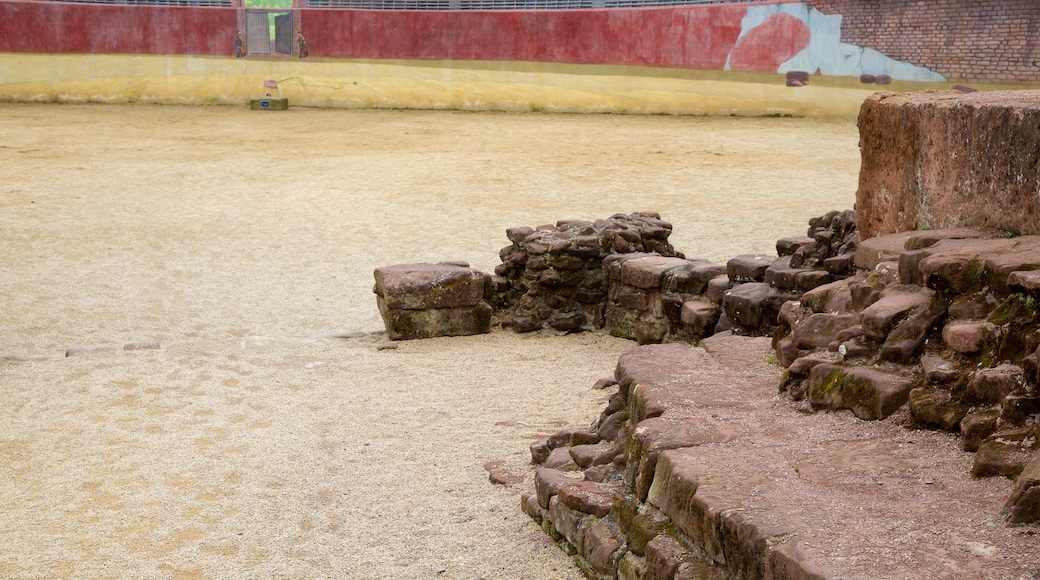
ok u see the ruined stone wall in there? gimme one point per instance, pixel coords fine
(966, 40)
(946, 159)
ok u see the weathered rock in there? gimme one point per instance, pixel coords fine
(583, 455)
(647, 272)
(976, 427)
(989, 386)
(539, 452)
(426, 286)
(869, 393)
(404, 324)
(970, 337)
(547, 483)
(749, 267)
(824, 299)
(925, 164)
(883, 248)
(997, 456)
(1023, 506)
(664, 555)
(691, 277)
(717, 288)
(819, 330)
(569, 523)
(560, 460)
(788, 246)
(588, 497)
(894, 306)
(939, 371)
(937, 408)
(1020, 405)
(601, 548)
(1027, 281)
(654, 435)
(745, 305)
(700, 317)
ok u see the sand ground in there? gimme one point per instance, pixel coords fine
(252, 444)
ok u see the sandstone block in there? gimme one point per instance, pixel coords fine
(921, 153)
(664, 555)
(937, 408)
(647, 272)
(822, 298)
(883, 248)
(1019, 406)
(745, 305)
(749, 267)
(699, 317)
(869, 393)
(654, 435)
(788, 246)
(969, 337)
(717, 288)
(569, 523)
(416, 324)
(939, 371)
(601, 549)
(997, 456)
(1023, 506)
(425, 286)
(999, 266)
(881, 317)
(691, 277)
(819, 330)
(989, 386)
(587, 497)
(1027, 281)
(976, 427)
(547, 482)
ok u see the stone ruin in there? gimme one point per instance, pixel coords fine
(941, 318)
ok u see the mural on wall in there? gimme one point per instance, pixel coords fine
(763, 37)
(801, 38)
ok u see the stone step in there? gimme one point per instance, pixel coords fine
(720, 478)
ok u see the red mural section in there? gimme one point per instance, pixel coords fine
(688, 36)
(691, 36)
(85, 28)
(765, 47)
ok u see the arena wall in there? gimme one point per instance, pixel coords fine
(52, 27)
(995, 41)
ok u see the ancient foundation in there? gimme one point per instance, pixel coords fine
(688, 474)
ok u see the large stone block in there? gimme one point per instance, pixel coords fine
(945, 159)
(404, 324)
(869, 393)
(424, 286)
(1023, 507)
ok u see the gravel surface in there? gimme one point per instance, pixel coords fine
(255, 442)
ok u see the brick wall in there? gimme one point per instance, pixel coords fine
(966, 40)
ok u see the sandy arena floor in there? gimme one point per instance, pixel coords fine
(253, 445)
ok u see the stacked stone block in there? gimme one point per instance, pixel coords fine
(429, 300)
(947, 321)
(553, 276)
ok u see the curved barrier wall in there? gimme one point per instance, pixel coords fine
(53, 27)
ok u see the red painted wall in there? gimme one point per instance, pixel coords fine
(103, 28)
(682, 36)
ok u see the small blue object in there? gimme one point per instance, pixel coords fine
(265, 104)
